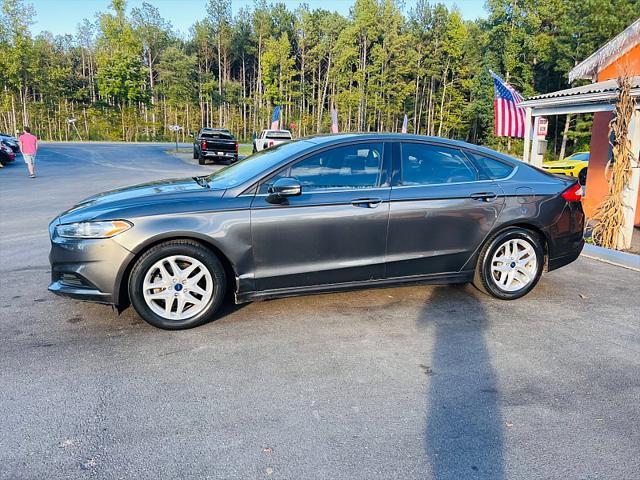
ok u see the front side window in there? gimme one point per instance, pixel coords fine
(424, 164)
(347, 167)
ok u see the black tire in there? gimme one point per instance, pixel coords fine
(195, 154)
(582, 177)
(483, 279)
(201, 160)
(177, 247)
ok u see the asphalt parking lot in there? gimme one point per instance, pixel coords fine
(407, 383)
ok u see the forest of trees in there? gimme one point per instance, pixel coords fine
(127, 74)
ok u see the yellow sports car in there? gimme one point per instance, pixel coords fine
(573, 166)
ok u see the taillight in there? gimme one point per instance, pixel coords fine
(236, 147)
(270, 143)
(573, 193)
(204, 144)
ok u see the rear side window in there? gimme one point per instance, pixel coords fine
(424, 164)
(348, 167)
(490, 168)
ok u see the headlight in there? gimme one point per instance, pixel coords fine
(93, 229)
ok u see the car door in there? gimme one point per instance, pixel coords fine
(335, 231)
(440, 210)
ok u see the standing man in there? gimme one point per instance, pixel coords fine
(29, 147)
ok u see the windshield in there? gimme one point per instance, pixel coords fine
(278, 135)
(579, 156)
(252, 166)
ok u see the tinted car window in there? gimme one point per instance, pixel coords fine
(424, 164)
(490, 168)
(347, 167)
(579, 156)
(217, 135)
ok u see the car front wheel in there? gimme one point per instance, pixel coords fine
(177, 284)
(510, 264)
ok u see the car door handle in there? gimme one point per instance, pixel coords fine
(484, 196)
(367, 202)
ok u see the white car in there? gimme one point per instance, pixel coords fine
(270, 138)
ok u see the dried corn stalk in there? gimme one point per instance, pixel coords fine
(610, 214)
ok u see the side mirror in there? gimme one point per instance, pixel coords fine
(284, 188)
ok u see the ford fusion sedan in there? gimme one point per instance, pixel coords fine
(320, 214)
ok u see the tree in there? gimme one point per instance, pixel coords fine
(128, 75)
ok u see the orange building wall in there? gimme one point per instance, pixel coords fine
(627, 64)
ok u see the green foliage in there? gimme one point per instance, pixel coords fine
(128, 75)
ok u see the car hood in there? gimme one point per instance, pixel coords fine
(142, 199)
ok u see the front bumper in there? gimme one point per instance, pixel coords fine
(87, 269)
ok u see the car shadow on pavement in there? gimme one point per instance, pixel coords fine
(464, 428)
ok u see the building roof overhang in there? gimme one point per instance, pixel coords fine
(600, 96)
(607, 54)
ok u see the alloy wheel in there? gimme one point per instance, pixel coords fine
(514, 265)
(177, 287)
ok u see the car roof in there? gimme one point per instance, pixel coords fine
(336, 139)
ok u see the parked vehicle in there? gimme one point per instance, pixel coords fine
(574, 166)
(6, 154)
(10, 141)
(320, 214)
(270, 138)
(217, 144)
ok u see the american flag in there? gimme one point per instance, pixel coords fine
(334, 121)
(275, 118)
(509, 117)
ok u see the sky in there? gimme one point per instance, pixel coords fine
(62, 16)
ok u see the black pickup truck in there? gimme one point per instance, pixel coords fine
(217, 144)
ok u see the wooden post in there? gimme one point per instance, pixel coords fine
(527, 136)
(630, 194)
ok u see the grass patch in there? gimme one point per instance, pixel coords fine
(245, 149)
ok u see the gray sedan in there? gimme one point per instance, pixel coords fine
(320, 214)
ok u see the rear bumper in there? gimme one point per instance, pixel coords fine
(226, 155)
(566, 236)
(558, 262)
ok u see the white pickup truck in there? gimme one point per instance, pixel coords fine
(269, 138)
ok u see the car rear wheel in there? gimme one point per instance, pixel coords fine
(201, 159)
(177, 284)
(510, 264)
(195, 154)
